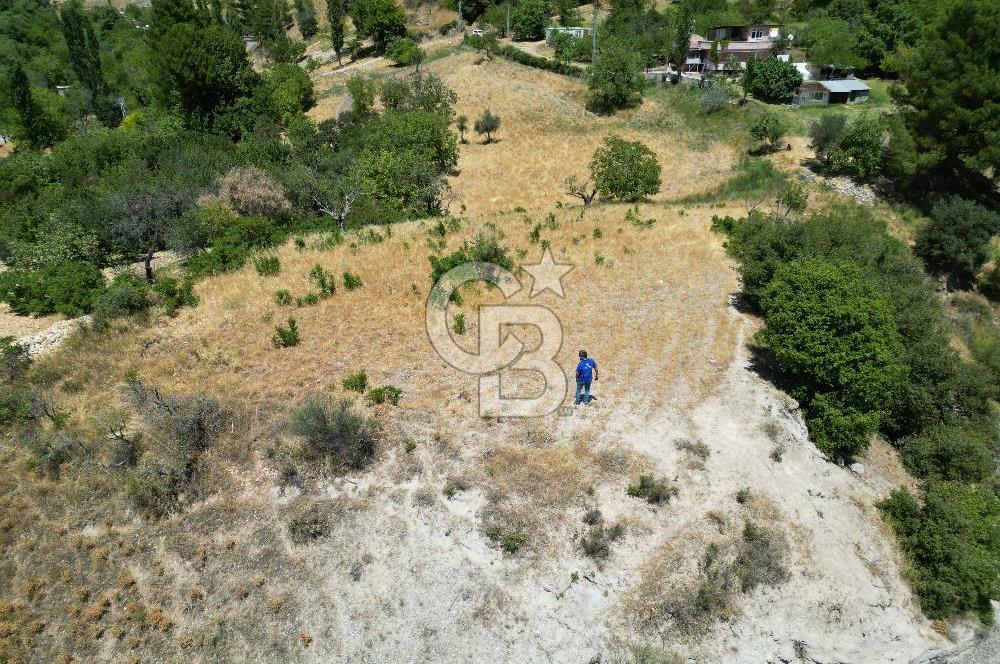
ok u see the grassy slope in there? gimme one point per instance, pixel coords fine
(222, 580)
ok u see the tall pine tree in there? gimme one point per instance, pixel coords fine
(85, 57)
(336, 13)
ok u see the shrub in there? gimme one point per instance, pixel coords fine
(826, 133)
(625, 170)
(597, 540)
(715, 98)
(655, 490)
(126, 295)
(286, 337)
(267, 266)
(309, 524)
(323, 280)
(340, 435)
(759, 558)
(487, 124)
(231, 249)
(356, 382)
(282, 297)
(184, 427)
(405, 52)
(386, 393)
(250, 192)
(767, 129)
(352, 281)
(509, 540)
(953, 544)
(71, 289)
(173, 293)
(965, 452)
(833, 334)
(458, 325)
(956, 240)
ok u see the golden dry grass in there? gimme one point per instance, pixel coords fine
(22, 326)
(656, 311)
(546, 135)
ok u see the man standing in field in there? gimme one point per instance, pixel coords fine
(586, 370)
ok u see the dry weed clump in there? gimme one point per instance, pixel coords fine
(689, 589)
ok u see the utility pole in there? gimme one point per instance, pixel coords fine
(461, 21)
(507, 32)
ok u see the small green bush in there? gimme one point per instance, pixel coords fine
(173, 293)
(125, 296)
(282, 297)
(768, 130)
(286, 337)
(956, 240)
(352, 281)
(71, 289)
(345, 438)
(323, 280)
(509, 540)
(356, 382)
(655, 490)
(267, 266)
(385, 394)
(458, 325)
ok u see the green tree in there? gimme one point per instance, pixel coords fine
(616, 80)
(953, 544)
(380, 20)
(833, 334)
(487, 124)
(680, 36)
(952, 87)
(826, 133)
(859, 152)
(831, 43)
(42, 125)
(85, 56)
(203, 71)
(528, 19)
(462, 125)
(956, 240)
(305, 17)
(772, 79)
(767, 129)
(336, 14)
(625, 170)
(405, 52)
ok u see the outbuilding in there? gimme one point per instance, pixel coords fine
(839, 91)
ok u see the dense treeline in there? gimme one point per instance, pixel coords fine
(856, 331)
(200, 153)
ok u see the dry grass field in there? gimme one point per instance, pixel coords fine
(468, 537)
(546, 136)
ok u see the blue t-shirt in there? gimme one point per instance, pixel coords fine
(585, 370)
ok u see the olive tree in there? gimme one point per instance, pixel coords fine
(625, 170)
